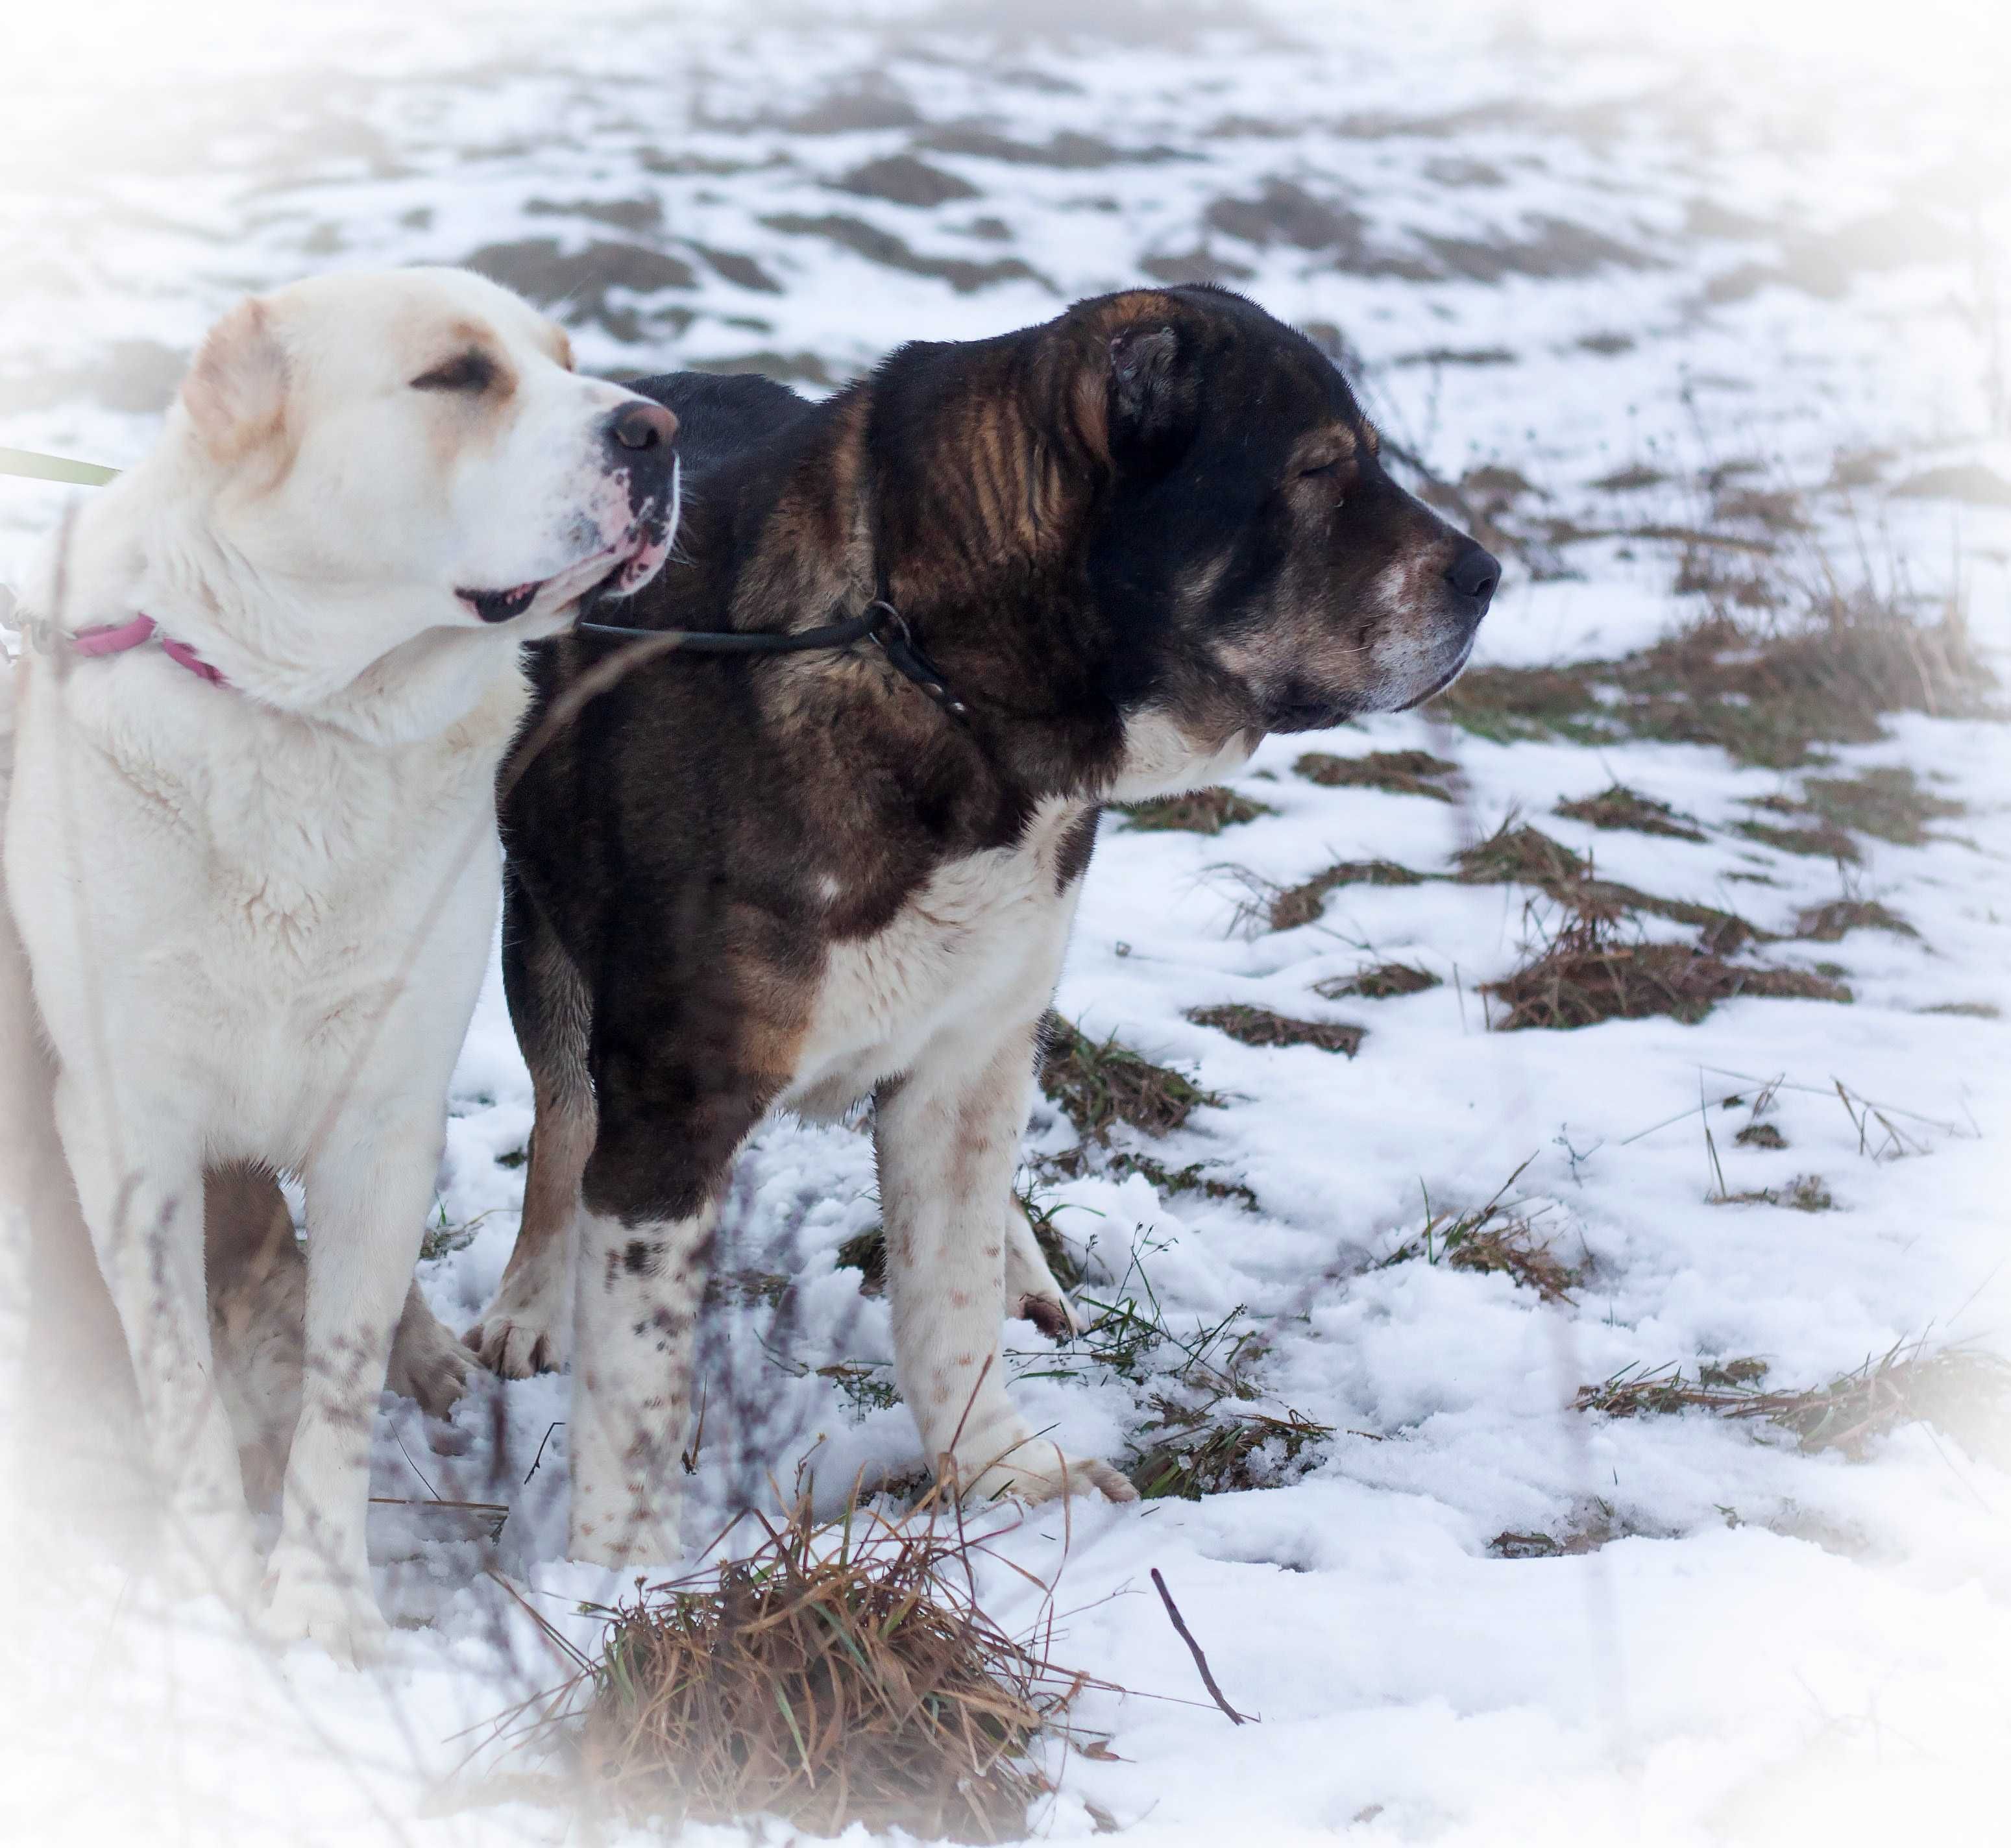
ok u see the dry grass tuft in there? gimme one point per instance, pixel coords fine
(1761, 1135)
(1302, 904)
(1097, 1085)
(1960, 1390)
(1379, 983)
(1620, 807)
(1200, 811)
(1584, 975)
(1517, 854)
(1259, 1027)
(1806, 1193)
(839, 1674)
(1401, 773)
(1831, 923)
(1220, 1449)
(1492, 1238)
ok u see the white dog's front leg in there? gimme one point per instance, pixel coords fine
(367, 1197)
(636, 1298)
(142, 1197)
(948, 1136)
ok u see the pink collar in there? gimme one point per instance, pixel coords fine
(117, 638)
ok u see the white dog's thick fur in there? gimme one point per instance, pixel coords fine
(257, 915)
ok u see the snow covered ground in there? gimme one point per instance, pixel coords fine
(1633, 300)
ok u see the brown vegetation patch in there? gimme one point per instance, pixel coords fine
(1765, 691)
(1888, 803)
(1260, 1027)
(1622, 807)
(1761, 1135)
(1378, 984)
(1958, 1390)
(837, 1674)
(1220, 1449)
(1492, 1238)
(1823, 840)
(1401, 773)
(1098, 1084)
(1806, 1193)
(1507, 704)
(1200, 811)
(1831, 923)
(1517, 854)
(1302, 904)
(1583, 975)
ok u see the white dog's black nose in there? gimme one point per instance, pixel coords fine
(640, 427)
(638, 438)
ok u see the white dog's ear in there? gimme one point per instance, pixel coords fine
(236, 391)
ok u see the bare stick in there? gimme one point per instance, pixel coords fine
(1194, 1650)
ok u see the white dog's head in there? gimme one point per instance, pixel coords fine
(359, 461)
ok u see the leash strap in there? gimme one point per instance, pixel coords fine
(31, 465)
(880, 622)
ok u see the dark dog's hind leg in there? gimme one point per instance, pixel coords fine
(526, 1328)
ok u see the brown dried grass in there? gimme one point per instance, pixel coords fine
(841, 1673)
(1585, 974)
(1959, 1390)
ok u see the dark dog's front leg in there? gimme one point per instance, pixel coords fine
(948, 1136)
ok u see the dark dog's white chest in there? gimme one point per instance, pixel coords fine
(975, 943)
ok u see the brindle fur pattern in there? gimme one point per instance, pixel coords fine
(1135, 540)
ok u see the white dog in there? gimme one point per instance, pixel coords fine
(250, 845)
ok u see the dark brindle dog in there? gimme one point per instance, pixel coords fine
(1132, 541)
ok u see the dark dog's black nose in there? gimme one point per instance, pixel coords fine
(1473, 576)
(641, 427)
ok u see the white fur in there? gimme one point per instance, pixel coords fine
(257, 917)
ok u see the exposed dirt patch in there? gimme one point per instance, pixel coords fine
(906, 181)
(961, 273)
(1620, 807)
(1823, 840)
(1097, 1084)
(1584, 976)
(1889, 804)
(1200, 811)
(1378, 984)
(1831, 923)
(1260, 1027)
(1303, 903)
(1402, 773)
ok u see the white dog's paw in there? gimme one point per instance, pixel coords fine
(1031, 1290)
(308, 1604)
(1048, 1310)
(1033, 1471)
(521, 1333)
(428, 1364)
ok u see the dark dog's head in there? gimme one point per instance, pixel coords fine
(1265, 573)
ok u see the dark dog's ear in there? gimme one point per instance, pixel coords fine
(1152, 397)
